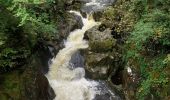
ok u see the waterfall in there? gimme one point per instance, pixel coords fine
(70, 84)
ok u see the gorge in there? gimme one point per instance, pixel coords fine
(84, 49)
(68, 81)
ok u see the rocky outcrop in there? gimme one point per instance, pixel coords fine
(28, 82)
(65, 21)
(34, 85)
(99, 56)
(25, 85)
(98, 65)
(109, 92)
(68, 24)
(100, 41)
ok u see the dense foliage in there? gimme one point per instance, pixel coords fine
(144, 28)
(22, 24)
(148, 47)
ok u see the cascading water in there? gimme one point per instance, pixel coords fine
(96, 5)
(70, 84)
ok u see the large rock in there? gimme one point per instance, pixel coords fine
(68, 24)
(100, 41)
(65, 21)
(109, 92)
(98, 65)
(99, 56)
(35, 86)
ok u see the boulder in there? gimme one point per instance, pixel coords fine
(99, 56)
(70, 23)
(98, 65)
(109, 92)
(100, 41)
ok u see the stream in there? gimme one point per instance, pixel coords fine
(67, 79)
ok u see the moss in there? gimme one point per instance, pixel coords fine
(102, 46)
(10, 86)
(148, 43)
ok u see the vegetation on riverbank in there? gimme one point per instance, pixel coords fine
(140, 28)
(23, 23)
(144, 27)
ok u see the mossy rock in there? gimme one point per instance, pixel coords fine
(102, 46)
(100, 41)
(100, 65)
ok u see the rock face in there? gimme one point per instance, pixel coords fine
(28, 82)
(35, 86)
(68, 24)
(65, 21)
(99, 56)
(27, 85)
(106, 94)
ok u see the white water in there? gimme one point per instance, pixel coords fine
(96, 5)
(93, 2)
(70, 84)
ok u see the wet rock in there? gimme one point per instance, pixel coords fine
(46, 51)
(70, 23)
(67, 22)
(109, 92)
(98, 65)
(35, 86)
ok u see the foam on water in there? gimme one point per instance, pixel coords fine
(70, 84)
